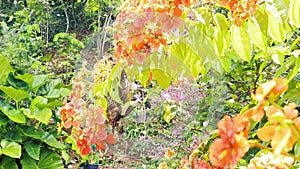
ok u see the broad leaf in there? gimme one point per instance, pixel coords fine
(257, 36)
(163, 79)
(51, 141)
(13, 135)
(17, 83)
(14, 115)
(11, 149)
(38, 111)
(28, 78)
(277, 15)
(241, 42)
(15, 94)
(33, 150)
(294, 12)
(30, 131)
(48, 160)
(5, 69)
(38, 81)
(9, 163)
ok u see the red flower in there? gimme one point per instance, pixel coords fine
(83, 146)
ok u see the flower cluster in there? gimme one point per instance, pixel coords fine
(241, 9)
(232, 144)
(140, 26)
(85, 119)
(282, 131)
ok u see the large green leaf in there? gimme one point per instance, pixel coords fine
(3, 119)
(241, 42)
(51, 141)
(30, 131)
(9, 163)
(114, 82)
(257, 36)
(277, 16)
(163, 79)
(294, 12)
(5, 69)
(15, 94)
(38, 111)
(17, 83)
(38, 81)
(14, 115)
(28, 78)
(48, 160)
(11, 149)
(13, 135)
(33, 150)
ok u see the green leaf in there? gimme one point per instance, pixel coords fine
(9, 163)
(277, 15)
(50, 160)
(17, 83)
(285, 66)
(15, 94)
(33, 150)
(163, 79)
(241, 42)
(257, 36)
(13, 135)
(28, 162)
(275, 29)
(5, 69)
(38, 111)
(28, 78)
(51, 141)
(114, 82)
(38, 81)
(170, 112)
(14, 115)
(3, 119)
(30, 131)
(11, 149)
(294, 12)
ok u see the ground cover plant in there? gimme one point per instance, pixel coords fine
(158, 84)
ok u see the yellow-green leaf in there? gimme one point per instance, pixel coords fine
(294, 12)
(241, 42)
(257, 36)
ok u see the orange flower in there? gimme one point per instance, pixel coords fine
(232, 144)
(270, 89)
(169, 153)
(280, 132)
(256, 113)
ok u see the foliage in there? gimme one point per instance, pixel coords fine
(28, 128)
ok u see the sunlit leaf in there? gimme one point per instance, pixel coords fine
(294, 12)
(241, 42)
(15, 94)
(11, 149)
(257, 36)
(5, 69)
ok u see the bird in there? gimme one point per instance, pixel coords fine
(115, 110)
